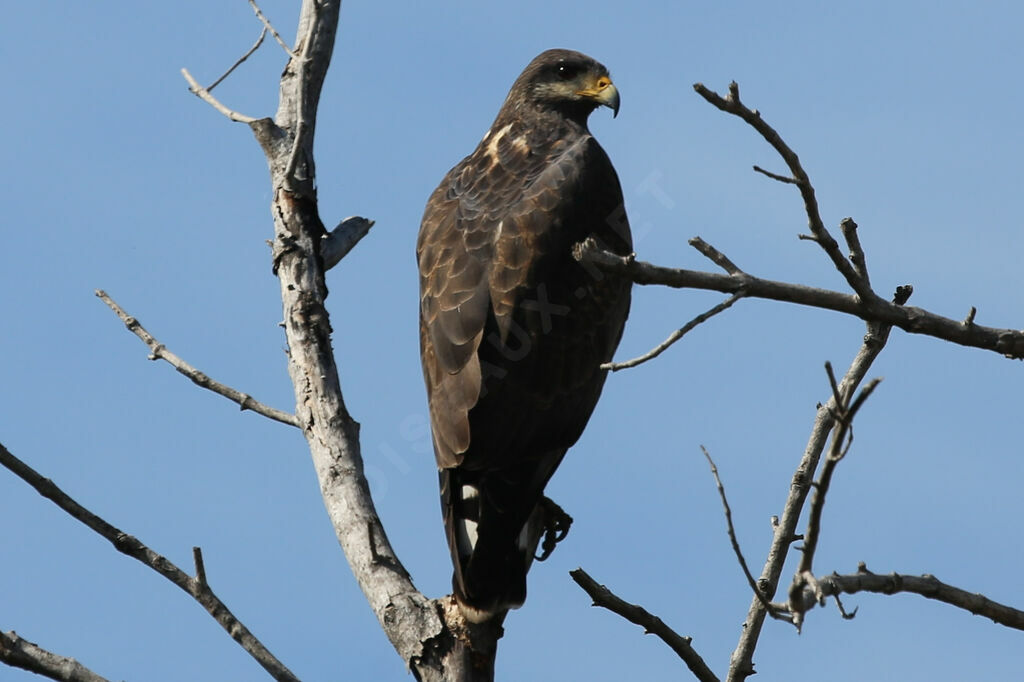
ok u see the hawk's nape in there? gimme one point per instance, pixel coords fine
(512, 329)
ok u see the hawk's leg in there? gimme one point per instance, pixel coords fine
(556, 527)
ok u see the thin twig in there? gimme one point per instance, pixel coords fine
(774, 612)
(202, 93)
(925, 585)
(604, 597)
(775, 176)
(256, 46)
(674, 336)
(136, 549)
(270, 27)
(1008, 342)
(21, 653)
(159, 351)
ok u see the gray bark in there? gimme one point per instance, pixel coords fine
(430, 635)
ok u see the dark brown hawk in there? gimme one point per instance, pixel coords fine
(512, 329)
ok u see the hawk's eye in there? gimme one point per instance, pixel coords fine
(566, 71)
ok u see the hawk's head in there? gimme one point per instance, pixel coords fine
(565, 81)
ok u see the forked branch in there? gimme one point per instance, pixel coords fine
(136, 549)
(925, 585)
(1008, 342)
(733, 105)
(842, 437)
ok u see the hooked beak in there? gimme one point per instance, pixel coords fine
(604, 93)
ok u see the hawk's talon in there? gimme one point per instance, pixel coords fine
(556, 527)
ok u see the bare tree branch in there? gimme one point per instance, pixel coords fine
(775, 176)
(27, 655)
(675, 336)
(204, 94)
(430, 636)
(741, 663)
(925, 585)
(715, 256)
(133, 547)
(1008, 342)
(305, 120)
(159, 352)
(733, 105)
(338, 242)
(844, 414)
(270, 27)
(769, 607)
(842, 436)
(256, 46)
(857, 258)
(651, 624)
(197, 558)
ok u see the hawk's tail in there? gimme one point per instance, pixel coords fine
(492, 536)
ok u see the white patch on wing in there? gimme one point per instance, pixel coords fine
(469, 492)
(492, 147)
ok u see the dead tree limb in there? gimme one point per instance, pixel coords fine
(21, 653)
(863, 303)
(1008, 342)
(846, 409)
(429, 635)
(651, 624)
(842, 437)
(136, 549)
(732, 104)
(925, 585)
(771, 609)
(741, 663)
(158, 351)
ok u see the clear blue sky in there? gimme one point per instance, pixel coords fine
(907, 117)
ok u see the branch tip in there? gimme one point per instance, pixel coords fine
(158, 351)
(197, 558)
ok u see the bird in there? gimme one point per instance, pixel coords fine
(513, 330)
